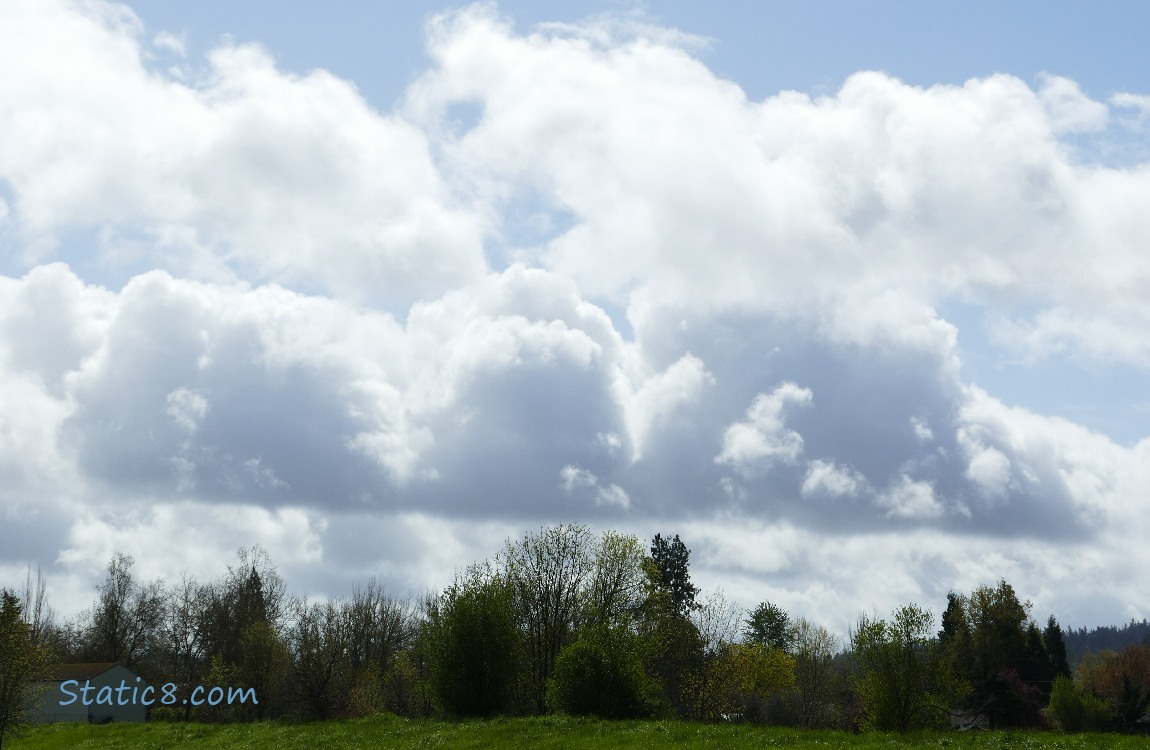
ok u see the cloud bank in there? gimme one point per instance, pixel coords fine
(572, 276)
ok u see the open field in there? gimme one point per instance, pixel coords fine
(548, 732)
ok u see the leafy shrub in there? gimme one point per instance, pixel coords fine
(1076, 710)
(474, 646)
(601, 674)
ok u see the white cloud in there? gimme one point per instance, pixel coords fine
(572, 478)
(988, 468)
(613, 495)
(201, 171)
(910, 499)
(1140, 103)
(659, 396)
(1070, 468)
(209, 533)
(1068, 109)
(825, 477)
(763, 437)
(171, 43)
(305, 339)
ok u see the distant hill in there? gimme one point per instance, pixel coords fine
(1107, 637)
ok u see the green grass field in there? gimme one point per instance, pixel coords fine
(548, 732)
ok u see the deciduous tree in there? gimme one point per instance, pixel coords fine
(318, 644)
(1076, 710)
(181, 634)
(1122, 679)
(902, 681)
(615, 583)
(771, 626)
(817, 678)
(124, 625)
(546, 573)
(474, 644)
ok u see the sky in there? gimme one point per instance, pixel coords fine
(852, 297)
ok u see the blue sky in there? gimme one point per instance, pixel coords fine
(764, 47)
(850, 296)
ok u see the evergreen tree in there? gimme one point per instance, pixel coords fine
(955, 626)
(1036, 669)
(999, 659)
(671, 560)
(1056, 648)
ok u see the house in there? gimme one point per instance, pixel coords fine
(96, 693)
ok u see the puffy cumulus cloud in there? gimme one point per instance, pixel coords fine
(921, 429)
(988, 467)
(232, 392)
(381, 343)
(854, 208)
(827, 477)
(660, 396)
(227, 392)
(910, 499)
(1068, 472)
(1068, 109)
(1139, 104)
(242, 169)
(763, 437)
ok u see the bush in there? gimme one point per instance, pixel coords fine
(474, 646)
(601, 674)
(1075, 710)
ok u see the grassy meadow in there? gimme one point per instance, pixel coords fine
(546, 732)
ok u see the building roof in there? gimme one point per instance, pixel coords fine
(62, 672)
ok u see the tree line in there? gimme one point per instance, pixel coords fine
(566, 621)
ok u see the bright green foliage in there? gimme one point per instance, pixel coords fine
(1076, 710)
(903, 682)
(474, 645)
(225, 675)
(601, 674)
(615, 586)
(740, 679)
